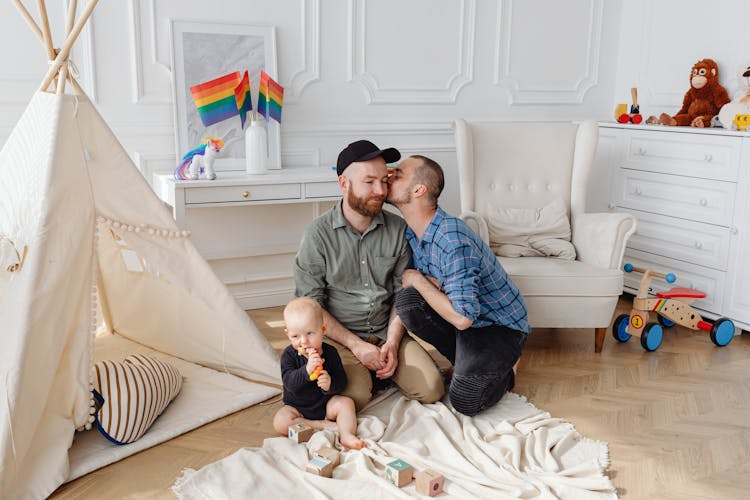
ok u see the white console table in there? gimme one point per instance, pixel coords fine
(249, 227)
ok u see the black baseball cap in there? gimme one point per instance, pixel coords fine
(362, 151)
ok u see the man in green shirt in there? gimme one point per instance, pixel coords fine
(350, 261)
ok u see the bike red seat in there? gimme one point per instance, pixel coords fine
(676, 293)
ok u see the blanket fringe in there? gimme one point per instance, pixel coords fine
(184, 477)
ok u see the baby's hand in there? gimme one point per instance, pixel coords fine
(313, 360)
(324, 380)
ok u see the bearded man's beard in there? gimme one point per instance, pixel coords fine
(369, 207)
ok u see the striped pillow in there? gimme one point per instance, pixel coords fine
(132, 394)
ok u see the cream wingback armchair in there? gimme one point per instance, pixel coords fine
(522, 175)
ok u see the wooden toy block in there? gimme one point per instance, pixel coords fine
(429, 482)
(300, 433)
(320, 467)
(399, 472)
(330, 454)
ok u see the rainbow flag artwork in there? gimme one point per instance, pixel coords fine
(270, 97)
(222, 98)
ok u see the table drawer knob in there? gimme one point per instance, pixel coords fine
(698, 245)
(642, 151)
(708, 158)
(246, 194)
(703, 202)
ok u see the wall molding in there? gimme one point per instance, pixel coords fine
(145, 164)
(371, 129)
(310, 47)
(300, 157)
(138, 94)
(517, 95)
(375, 94)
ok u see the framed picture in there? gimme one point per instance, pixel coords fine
(205, 51)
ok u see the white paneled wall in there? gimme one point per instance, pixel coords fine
(395, 71)
(660, 41)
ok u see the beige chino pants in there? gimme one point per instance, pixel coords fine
(416, 375)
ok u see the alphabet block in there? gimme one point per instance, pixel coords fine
(429, 482)
(300, 433)
(320, 467)
(330, 454)
(399, 472)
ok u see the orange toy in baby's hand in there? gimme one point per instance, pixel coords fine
(316, 372)
(302, 351)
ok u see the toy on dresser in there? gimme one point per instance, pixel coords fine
(672, 307)
(703, 100)
(735, 115)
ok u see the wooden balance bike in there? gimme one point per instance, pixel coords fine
(671, 307)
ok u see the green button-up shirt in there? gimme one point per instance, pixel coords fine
(353, 275)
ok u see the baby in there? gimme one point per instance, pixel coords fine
(309, 399)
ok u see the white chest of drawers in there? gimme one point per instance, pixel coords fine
(689, 190)
(249, 227)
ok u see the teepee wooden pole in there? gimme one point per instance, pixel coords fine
(63, 75)
(42, 6)
(45, 29)
(29, 20)
(62, 56)
(71, 17)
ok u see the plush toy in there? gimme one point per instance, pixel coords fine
(703, 100)
(740, 105)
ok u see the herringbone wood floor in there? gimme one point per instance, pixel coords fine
(677, 420)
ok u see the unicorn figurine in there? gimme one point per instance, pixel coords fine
(200, 160)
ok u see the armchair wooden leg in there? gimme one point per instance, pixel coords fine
(600, 333)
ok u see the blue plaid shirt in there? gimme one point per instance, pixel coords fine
(469, 273)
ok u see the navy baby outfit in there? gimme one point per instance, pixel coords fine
(303, 393)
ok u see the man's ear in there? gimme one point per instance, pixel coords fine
(324, 328)
(420, 189)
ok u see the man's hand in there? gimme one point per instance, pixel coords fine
(389, 359)
(368, 355)
(324, 380)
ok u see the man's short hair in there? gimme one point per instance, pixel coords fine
(430, 173)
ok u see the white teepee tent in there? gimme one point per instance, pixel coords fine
(84, 246)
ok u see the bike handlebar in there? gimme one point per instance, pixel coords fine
(669, 277)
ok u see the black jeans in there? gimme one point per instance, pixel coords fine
(482, 358)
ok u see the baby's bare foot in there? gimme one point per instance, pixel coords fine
(352, 442)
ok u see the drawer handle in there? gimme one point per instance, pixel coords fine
(734, 230)
(642, 151)
(246, 194)
(637, 191)
(708, 158)
(611, 206)
(703, 202)
(698, 245)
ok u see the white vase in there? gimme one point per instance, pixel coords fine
(256, 148)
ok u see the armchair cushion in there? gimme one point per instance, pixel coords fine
(600, 238)
(530, 232)
(545, 277)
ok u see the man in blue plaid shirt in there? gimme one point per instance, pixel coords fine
(458, 298)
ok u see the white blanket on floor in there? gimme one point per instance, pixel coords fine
(512, 450)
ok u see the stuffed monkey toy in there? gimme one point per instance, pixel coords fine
(703, 100)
